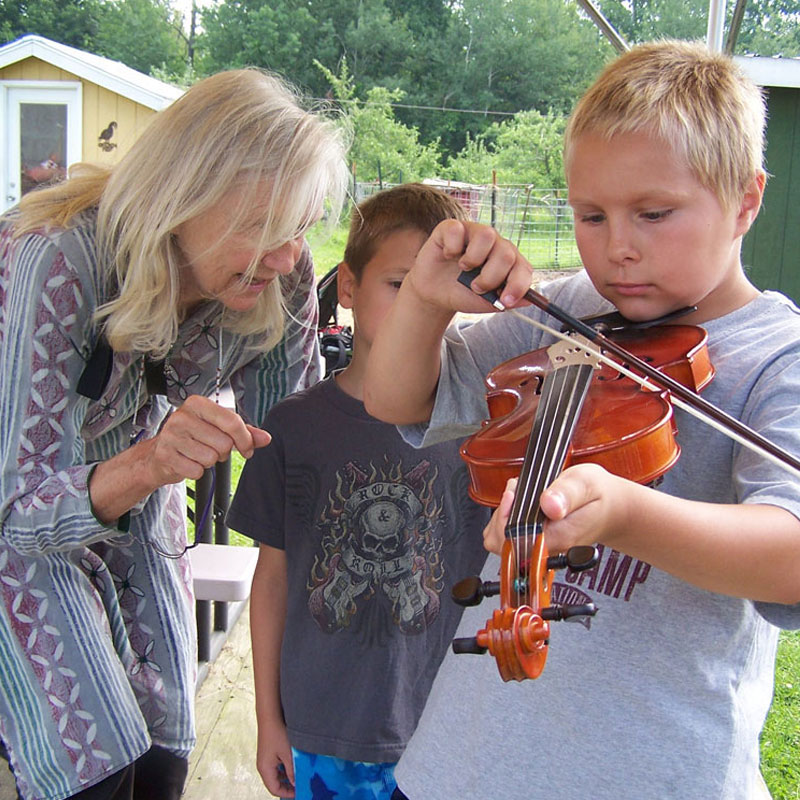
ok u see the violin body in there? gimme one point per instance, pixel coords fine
(623, 428)
(611, 421)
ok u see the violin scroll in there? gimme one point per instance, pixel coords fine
(517, 635)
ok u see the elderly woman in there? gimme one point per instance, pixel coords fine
(127, 294)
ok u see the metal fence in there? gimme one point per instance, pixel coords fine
(538, 221)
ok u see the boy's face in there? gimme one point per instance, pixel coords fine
(372, 297)
(652, 238)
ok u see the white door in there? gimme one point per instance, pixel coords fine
(41, 131)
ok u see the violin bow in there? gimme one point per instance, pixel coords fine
(680, 395)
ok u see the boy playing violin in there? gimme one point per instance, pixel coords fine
(662, 694)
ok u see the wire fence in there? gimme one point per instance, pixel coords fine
(538, 221)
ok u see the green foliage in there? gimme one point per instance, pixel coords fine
(780, 739)
(71, 22)
(490, 55)
(503, 55)
(383, 148)
(525, 149)
(327, 246)
(184, 76)
(144, 34)
(272, 35)
(770, 28)
(641, 21)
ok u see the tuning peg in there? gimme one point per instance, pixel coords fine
(577, 558)
(468, 644)
(561, 612)
(470, 591)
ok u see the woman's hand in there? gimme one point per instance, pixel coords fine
(196, 436)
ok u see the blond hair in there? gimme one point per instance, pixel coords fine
(698, 102)
(241, 128)
(408, 206)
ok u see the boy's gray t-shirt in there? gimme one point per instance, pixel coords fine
(662, 694)
(375, 533)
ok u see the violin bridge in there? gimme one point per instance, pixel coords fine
(576, 351)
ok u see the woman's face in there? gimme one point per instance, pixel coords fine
(215, 257)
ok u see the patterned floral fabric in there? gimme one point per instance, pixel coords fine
(97, 641)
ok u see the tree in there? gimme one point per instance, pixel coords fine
(504, 56)
(274, 34)
(383, 148)
(144, 34)
(769, 27)
(645, 20)
(280, 34)
(484, 55)
(525, 149)
(71, 22)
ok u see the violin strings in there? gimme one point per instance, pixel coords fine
(648, 384)
(559, 407)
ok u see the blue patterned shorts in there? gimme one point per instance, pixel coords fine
(328, 778)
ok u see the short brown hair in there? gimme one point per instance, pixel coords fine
(408, 206)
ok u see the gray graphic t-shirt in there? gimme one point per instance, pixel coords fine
(375, 533)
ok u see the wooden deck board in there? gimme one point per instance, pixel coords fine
(223, 763)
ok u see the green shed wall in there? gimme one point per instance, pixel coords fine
(771, 250)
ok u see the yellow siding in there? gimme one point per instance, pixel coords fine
(100, 106)
(34, 69)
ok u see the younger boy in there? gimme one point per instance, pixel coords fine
(361, 538)
(664, 692)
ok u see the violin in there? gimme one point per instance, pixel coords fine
(623, 428)
(518, 633)
(550, 408)
(553, 407)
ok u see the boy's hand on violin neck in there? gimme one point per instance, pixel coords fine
(455, 246)
(585, 504)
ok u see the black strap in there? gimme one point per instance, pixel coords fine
(95, 375)
(97, 371)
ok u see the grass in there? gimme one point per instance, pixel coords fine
(327, 247)
(542, 252)
(780, 739)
